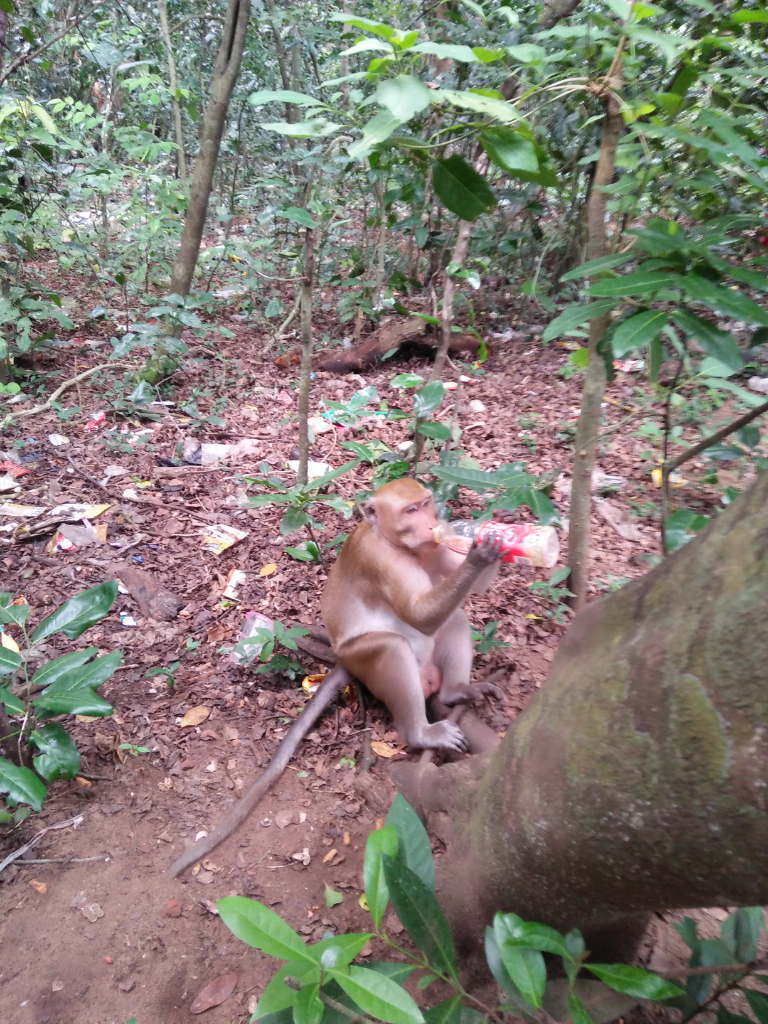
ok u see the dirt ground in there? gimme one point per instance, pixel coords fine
(106, 936)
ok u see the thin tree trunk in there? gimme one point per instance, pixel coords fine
(459, 254)
(307, 287)
(225, 72)
(291, 113)
(181, 159)
(588, 425)
(635, 780)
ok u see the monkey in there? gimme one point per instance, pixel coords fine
(392, 607)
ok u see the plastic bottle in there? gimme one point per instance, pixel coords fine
(522, 543)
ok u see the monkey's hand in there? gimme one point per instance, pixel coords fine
(442, 736)
(486, 552)
(465, 694)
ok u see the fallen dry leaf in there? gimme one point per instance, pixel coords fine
(267, 570)
(41, 887)
(204, 877)
(84, 783)
(217, 633)
(195, 716)
(284, 817)
(383, 749)
(214, 993)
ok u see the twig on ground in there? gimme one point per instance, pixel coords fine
(10, 417)
(88, 477)
(70, 822)
(60, 860)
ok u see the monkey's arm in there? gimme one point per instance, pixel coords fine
(445, 561)
(336, 680)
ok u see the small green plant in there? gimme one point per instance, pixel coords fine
(487, 641)
(320, 981)
(11, 388)
(551, 592)
(168, 671)
(133, 749)
(191, 645)
(67, 686)
(267, 640)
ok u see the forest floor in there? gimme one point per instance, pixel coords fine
(109, 938)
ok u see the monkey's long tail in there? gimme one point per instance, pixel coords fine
(330, 688)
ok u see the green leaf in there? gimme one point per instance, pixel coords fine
(346, 947)
(680, 527)
(638, 283)
(9, 661)
(461, 189)
(299, 216)
(93, 674)
(81, 701)
(315, 128)
(277, 995)
(413, 845)
(367, 45)
(542, 507)
(510, 150)
(574, 316)
(378, 129)
(334, 474)
(404, 96)
(21, 785)
(377, 27)
(634, 981)
(447, 51)
(513, 931)
(715, 342)
(428, 398)
(478, 103)
(299, 99)
(293, 520)
(58, 756)
(438, 431)
(637, 331)
(307, 1008)
(420, 915)
(14, 614)
(758, 1003)
(447, 1012)
(741, 930)
(744, 17)
(406, 380)
(526, 969)
(78, 613)
(12, 703)
(593, 267)
(727, 301)
(262, 928)
(384, 840)
(578, 1010)
(378, 996)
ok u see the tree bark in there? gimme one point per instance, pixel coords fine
(181, 159)
(588, 425)
(636, 780)
(307, 287)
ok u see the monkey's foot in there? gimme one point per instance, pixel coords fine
(465, 694)
(441, 736)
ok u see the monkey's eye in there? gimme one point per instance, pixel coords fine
(411, 510)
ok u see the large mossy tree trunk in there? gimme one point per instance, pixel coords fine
(636, 780)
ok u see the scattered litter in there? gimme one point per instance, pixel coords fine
(22, 511)
(450, 385)
(676, 479)
(110, 471)
(193, 717)
(72, 512)
(758, 384)
(303, 857)
(310, 683)
(629, 365)
(219, 538)
(127, 620)
(57, 440)
(319, 425)
(69, 537)
(284, 398)
(131, 493)
(467, 380)
(252, 622)
(13, 468)
(476, 405)
(196, 453)
(7, 483)
(601, 481)
(98, 420)
(404, 446)
(314, 469)
(234, 579)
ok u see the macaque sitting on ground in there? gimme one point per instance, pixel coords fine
(393, 608)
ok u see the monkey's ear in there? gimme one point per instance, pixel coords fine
(369, 510)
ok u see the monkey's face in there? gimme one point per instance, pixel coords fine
(404, 512)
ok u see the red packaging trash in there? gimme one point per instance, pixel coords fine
(98, 420)
(522, 543)
(12, 469)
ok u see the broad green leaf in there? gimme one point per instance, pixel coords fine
(346, 947)
(744, 17)
(299, 99)
(491, 106)
(384, 840)
(593, 267)
(21, 785)
(366, 45)
(78, 613)
(315, 128)
(526, 969)
(715, 342)
(680, 527)
(377, 27)
(9, 661)
(58, 756)
(438, 431)
(262, 928)
(727, 301)
(45, 118)
(486, 56)
(406, 380)
(634, 981)
(758, 1003)
(293, 520)
(428, 398)
(637, 331)
(447, 1012)
(12, 703)
(404, 96)
(578, 1010)
(513, 931)
(378, 129)
(14, 614)
(445, 51)
(414, 848)
(670, 44)
(81, 701)
(94, 674)
(575, 316)
(461, 189)
(333, 474)
(307, 1008)
(542, 507)
(277, 995)
(510, 150)
(299, 216)
(638, 283)
(472, 478)
(420, 914)
(378, 995)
